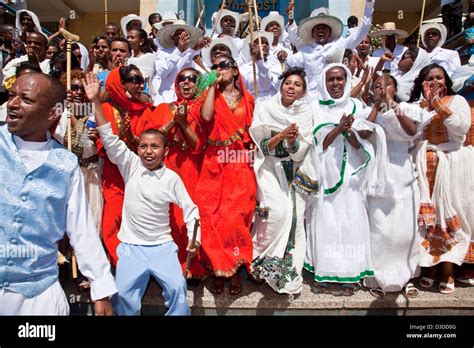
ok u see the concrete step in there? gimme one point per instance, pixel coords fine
(262, 300)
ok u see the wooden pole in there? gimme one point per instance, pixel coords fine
(255, 83)
(193, 243)
(421, 23)
(259, 29)
(69, 127)
(218, 18)
(200, 16)
(106, 12)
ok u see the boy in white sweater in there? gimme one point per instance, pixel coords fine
(146, 247)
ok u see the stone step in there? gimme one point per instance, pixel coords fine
(262, 300)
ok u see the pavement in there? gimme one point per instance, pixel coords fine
(262, 300)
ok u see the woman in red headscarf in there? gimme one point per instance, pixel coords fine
(226, 191)
(129, 117)
(186, 138)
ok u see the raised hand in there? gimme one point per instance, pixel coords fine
(183, 41)
(181, 114)
(91, 87)
(345, 124)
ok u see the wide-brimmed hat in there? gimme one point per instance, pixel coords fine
(274, 16)
(127, 19)
(390, 28)
(305, 29)
(165, 36)
(168, 17)
(246, 45)
(319, 11)
(226, 41)
(438, 26)
(226, 13)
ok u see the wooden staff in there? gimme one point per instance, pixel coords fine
(193, 243)
(218, 17)
(421, 23)
(199, 8)
(291, 14)
(200, 16)
(105, 6)
(69, 39)
(255, 83)
(258, 29)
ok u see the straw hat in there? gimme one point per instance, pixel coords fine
(246, 44)
(226, 41)
(127, 19)
(390, 28)
(226, 13)
(165, 36)
(438, 26)
(273, 16)
(305, 29)
(168, 17)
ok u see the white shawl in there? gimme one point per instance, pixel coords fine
(406, 81)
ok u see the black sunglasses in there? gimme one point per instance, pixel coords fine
(136, 79)
(224, 65)
(77, 87)
(190, 78)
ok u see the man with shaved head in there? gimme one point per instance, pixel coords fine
(42, 196)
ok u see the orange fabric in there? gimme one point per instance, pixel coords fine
(470, 254)
(439, 241)
(226, 191)
(431, 166)
(139, 115)
(187, 163)
(436, 133)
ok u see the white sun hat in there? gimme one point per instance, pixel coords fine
(226, 13)
(305, 29)
(246, 45)
(438, 26)
(168, 17)
(390, 28)
(165, 36)
(273, 16)
(226, 41)
(127, 19)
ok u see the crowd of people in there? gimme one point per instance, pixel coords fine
(275, 150)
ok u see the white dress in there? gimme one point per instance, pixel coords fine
(278, 234)
(393, 220)
(337, 224)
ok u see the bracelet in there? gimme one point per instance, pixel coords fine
(293, 148)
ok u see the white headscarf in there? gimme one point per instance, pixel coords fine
(32, 15)
(342, 104)
(85, 56)
(406, 81)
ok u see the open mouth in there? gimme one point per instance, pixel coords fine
(290, 94)
(149, 159)
(186, 88)
(13, 118)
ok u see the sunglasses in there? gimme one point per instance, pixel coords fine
(190, 78)
(137, 80)
(224, 65)
(77, 87)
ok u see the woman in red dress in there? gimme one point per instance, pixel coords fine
(186, 140)
(226, 191)
(129, 117)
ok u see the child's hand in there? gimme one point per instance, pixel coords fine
(193, 251)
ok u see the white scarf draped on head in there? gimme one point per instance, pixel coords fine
(32, 15)
(272, 115)
(328, 112)
(405, 82)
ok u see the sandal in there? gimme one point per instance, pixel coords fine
(348, 289)
(426, 282)
(410, 291)
(320, 288)
(446, 288)
(217, 286)
(235, 289)
(378, 293)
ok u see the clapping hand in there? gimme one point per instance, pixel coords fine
(290, 133)
(345, 124)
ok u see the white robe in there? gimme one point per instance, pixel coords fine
(280, 236)
(393, 220)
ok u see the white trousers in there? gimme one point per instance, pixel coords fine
(52, 301)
